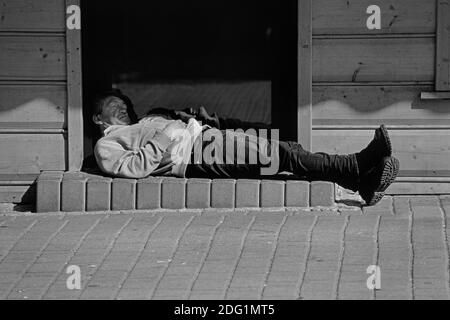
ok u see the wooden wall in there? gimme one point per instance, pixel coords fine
(362, 78)
(33, 92)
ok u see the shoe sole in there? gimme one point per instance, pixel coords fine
(377, 196)
(387, 139)
(389, 173)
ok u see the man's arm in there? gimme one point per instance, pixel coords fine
(201, 114)
(113, 159)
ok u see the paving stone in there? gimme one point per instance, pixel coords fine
(198, 193)
(48, 196)
(317, 290)
(431, 294)
(133, 294)
(148, 193)
(384, 207)
(223, 193)
(425, 207)
(247, 193)
(98, 192)
(173, 193)
(401, 206)
(73, 192)
(322, 194)
(169, 294)
(297, 193)
(243, 294)
(272, 193)
(207, 294)
(123, 194)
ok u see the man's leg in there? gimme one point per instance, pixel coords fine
(239, 124)
(370, 171)
(249, 155)
(231, 164)
(341, 169)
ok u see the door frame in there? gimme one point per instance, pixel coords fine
(304, 74)
(74, 118)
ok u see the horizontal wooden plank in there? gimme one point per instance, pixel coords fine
(32, 15)
(412, 188)
(18, 178)
(31, 127)
(393, 36)
(442, 95)
(32, 106)
(381, 59)
(395, 105)
(28, 153)
(32, 57)
(18, 188)
(372, 124)
(418, 150)
(397, 16)
(423, 176)
(406, 186)
(17, 194)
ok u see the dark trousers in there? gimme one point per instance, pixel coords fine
(239, 124)
(291, 156)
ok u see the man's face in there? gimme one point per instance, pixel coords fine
(114, 112)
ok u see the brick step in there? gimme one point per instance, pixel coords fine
(72, 192)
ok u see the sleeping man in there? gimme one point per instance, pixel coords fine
(192, 144)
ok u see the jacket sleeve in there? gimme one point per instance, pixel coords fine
(114, 159)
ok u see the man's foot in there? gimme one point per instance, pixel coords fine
(376, 181)
(379, 147)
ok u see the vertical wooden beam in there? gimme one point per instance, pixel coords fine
(74, 97)
(304, 98)
(443, 46)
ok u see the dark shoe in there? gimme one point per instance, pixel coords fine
(379, 147)
(376, 181)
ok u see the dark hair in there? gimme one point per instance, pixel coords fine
(100, 98)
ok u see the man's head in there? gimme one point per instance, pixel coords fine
(113, 108)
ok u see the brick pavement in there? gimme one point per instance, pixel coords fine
(231, 254)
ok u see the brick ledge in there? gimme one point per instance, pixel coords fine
(72, 192)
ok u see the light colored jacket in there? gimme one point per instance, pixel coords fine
(154, 146)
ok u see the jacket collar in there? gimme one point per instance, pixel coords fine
(112, 128)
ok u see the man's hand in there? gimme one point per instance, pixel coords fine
(205, 118)
(184, 116)
(200, 114)
(188, 113)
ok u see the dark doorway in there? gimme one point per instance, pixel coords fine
(238, 56)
